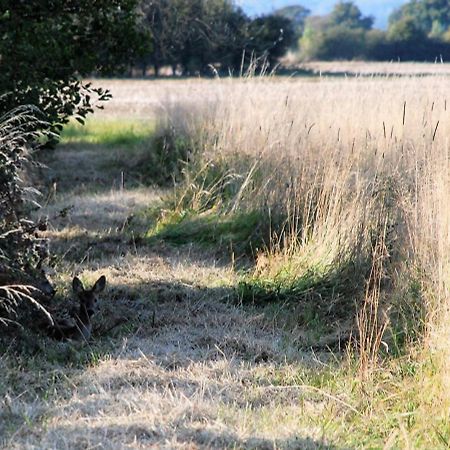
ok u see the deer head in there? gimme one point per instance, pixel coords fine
(88, 297)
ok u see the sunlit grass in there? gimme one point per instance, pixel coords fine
(344, 411)
(110, 132)
(352, 177)
(332, 175)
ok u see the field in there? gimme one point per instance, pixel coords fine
(277, 256)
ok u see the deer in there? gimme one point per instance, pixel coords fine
(79, 327)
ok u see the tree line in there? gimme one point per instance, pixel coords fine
(417, 31)
(191, 36)
(48, 47)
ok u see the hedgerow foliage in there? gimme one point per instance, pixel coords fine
(47, 46)
(22, 251)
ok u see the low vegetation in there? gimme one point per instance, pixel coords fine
(22, 249)
(352, 195)
(287, 287)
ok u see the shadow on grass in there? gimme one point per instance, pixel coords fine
(93, 160)
(241, 233)
(320, 301)
(180, 323)
(80, 168)
(151, 338)
(331, 289)
(95, 155)
(184, 437)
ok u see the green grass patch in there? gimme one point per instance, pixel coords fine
(242, 233)
(293, 283)
(350, 411)
(318, 299)
(108, 132)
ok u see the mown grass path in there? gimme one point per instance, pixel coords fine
(172, 364)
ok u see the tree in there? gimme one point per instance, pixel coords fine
(198, 34)
(347, 14)
(297, 14)
(432, 17)
(168, 23)
(216, 36)
(47, 46)
(407, 31)
(337, 42)
(269, 37)
(312, 36)
(339, 35)
(408, 40)
(194, 33)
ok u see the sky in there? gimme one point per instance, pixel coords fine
(380, 9)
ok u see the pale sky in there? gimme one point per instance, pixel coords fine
(380, 9)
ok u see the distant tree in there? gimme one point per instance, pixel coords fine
(46, 46)
(339, 35)
(337, 42)
(192, 50)
(406, 30)
(432, 17)
(199, 34)
(167, 22)
(418, 31)
(269, 37)
(230, 32)
(216, 36)
(312, 39)
(408, 41)
(347, 14)
(377, 46)
(446, 36)
(439, 14)
(297, 14)
(194, 33)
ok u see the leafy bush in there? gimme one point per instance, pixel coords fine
(47, 46)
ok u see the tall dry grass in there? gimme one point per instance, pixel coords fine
(340, 169)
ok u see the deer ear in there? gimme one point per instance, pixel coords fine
(77, 286)
(100, 284)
